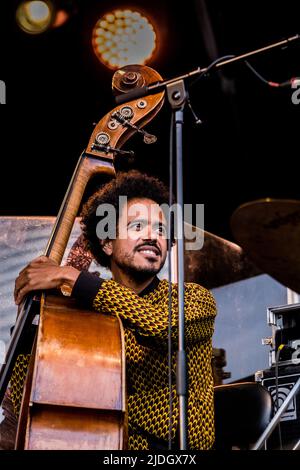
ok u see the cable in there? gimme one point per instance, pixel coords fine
(258, 75)
(268, 82)
(211, 66)
(253, 70)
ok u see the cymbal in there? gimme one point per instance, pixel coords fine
(269, 232)
(219, 262)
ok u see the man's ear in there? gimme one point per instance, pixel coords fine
(106, 246)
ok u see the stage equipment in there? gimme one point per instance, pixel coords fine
(283, 384)
(36, 17)
(269, 232)
(123, 37)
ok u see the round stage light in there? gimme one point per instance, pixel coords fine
(123, 37)
(35, 17)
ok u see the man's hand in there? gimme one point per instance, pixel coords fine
(43, 273)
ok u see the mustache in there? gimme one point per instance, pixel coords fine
(149, 243)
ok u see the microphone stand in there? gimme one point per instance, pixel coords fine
(177, 97)
(162, 85)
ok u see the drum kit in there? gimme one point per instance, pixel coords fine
(269, 232)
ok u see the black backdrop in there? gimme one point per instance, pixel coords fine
(247, 147)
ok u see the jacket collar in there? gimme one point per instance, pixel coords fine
(151, 287)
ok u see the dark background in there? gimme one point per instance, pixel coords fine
(247, 147)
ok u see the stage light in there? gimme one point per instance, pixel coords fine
(123, 37)
(35, 17)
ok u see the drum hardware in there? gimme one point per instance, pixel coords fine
(268, 230)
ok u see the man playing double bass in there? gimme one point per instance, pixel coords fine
(135, 256)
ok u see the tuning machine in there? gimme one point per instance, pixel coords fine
(123, 117)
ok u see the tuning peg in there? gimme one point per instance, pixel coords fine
(149, 138)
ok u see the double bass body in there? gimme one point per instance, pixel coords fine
(77, 398)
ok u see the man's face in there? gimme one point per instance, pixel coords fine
(140, 248)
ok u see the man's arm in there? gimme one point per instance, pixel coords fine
(109, 297)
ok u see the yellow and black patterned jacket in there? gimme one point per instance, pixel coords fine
(145, 320)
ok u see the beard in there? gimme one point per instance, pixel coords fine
(138, 272)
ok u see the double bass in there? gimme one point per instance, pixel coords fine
(74, 395)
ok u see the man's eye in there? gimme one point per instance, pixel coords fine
(136, 226)
(161, 230)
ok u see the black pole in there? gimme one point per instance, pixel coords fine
(177, 97)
